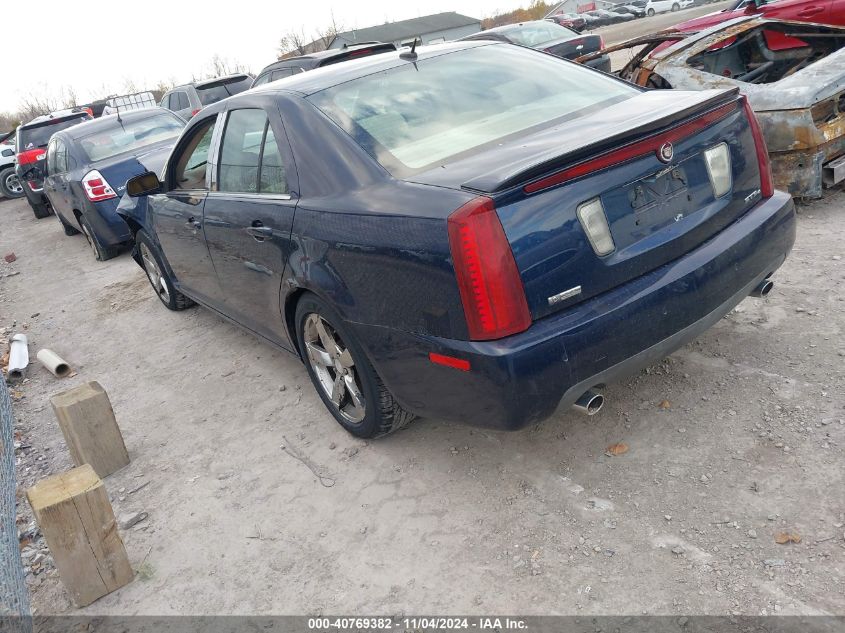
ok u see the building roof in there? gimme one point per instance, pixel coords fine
(392, 31)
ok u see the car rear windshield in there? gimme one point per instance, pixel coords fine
(131, 135)
(39, 135)
(218, 91)
(536, 34)
(421, 114)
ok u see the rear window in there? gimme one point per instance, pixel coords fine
(39, 136)
(220, 90)
(130, 136)
(537, 33)
(417, 115)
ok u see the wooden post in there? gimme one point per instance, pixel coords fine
(76, 518)
(91, 432)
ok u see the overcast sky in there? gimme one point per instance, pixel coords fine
(97, 48)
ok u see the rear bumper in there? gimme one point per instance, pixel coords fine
(524, 378)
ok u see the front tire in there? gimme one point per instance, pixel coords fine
(650, 13)
(153, 264)
(101, 252)
(676, 7)
(10, 184)
(342, 375)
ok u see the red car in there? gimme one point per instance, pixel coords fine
(569, 20)
(818, 11)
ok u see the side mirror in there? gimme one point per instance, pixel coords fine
(143, 185)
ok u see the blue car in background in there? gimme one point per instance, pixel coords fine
(88, 165)
(447, 233)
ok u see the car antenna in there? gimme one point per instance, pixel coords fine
(412, 54)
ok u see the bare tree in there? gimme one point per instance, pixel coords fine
(69, 97)
(34, 106)
(293, 42)
(326, 36)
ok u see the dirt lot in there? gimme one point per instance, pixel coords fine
(732, 440)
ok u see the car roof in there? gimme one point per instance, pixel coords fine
(326, 54)
(205, 82)
(108, 121)
(512, 27)
(334, 74)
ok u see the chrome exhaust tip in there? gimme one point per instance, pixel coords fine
(763, 288)
(589, 403)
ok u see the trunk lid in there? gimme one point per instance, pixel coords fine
(656, 211)
(574, 47)
(118, 169)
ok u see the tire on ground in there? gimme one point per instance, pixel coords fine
(101, 252)
(175, 300)
(383, 414)
(5, 190)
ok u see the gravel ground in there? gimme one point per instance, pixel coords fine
(732, 440)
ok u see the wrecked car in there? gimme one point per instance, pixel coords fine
(793, 74)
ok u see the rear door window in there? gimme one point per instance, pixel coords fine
(250, 160)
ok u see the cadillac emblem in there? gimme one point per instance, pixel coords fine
(665, 152)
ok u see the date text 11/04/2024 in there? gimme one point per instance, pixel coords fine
(416, 624)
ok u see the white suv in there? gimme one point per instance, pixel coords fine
(10, 186)
(664, 6)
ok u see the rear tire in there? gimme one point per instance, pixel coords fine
(68, 229)
(10, 185)
(336, 363)
(676, 7)
(101, 253)
(41, 210)
(153, 264)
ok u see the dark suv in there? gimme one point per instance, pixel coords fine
(31, 145)
(188, 99)
(294, 65)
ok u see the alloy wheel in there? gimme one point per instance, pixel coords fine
(154, 273)
(13, 184)
(333, 365)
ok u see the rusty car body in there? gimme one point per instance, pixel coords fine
(796, 87)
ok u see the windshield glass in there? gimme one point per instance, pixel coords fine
(219, 91)
(420, 114)
(130, 136)
(536, 34)
(33, 137)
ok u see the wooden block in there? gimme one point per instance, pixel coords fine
(76, 518)
(91, 432)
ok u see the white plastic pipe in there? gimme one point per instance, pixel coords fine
(53, 362)
(18, 357)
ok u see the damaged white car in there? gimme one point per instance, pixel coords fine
(792, 72)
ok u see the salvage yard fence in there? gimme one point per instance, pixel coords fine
(14, 597)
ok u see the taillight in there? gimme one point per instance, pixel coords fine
(489, 282)
(194, 111)
(96, 187)
(767, 185)
(601, 42)
(30, 156)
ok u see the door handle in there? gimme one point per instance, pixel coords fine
(193, 223)
(810, 11)
(258, 231)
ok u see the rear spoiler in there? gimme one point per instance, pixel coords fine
(607, 129)
(4, 136)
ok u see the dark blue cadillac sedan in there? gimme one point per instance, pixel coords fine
(474, 231)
